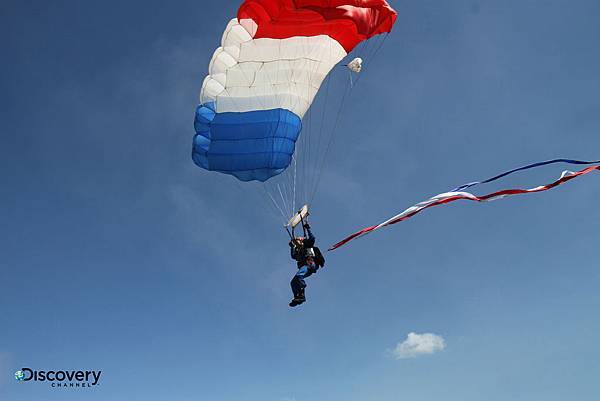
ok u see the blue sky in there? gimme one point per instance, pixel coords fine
(118, 254)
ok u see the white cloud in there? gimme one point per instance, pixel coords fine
(419, 344)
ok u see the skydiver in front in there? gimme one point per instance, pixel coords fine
(309, 259)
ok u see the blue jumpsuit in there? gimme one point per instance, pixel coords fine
(305, 269)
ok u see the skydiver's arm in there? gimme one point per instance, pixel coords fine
(310, 241)
(293, 251)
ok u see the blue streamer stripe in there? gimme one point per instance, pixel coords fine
(529, 166)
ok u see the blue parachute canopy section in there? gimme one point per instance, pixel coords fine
(252, 145)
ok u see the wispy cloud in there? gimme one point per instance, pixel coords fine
(419, 344)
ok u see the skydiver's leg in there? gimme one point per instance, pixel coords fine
(297, 290)
(298, 285)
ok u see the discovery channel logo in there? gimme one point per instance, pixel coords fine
(61, 378)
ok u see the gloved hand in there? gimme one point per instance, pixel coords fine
(306, 225)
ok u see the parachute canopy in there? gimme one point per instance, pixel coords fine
(263, 78)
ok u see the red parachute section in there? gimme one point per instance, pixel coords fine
(349, 22)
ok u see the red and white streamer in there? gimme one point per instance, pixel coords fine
(448, 197)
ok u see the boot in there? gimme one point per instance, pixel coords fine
(300, 298)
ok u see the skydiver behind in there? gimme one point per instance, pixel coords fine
(308, 258)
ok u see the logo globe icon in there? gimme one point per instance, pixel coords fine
(19, 375)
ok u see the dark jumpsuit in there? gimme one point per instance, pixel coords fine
(305, 269)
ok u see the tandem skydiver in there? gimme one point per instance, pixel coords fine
(308, 258)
